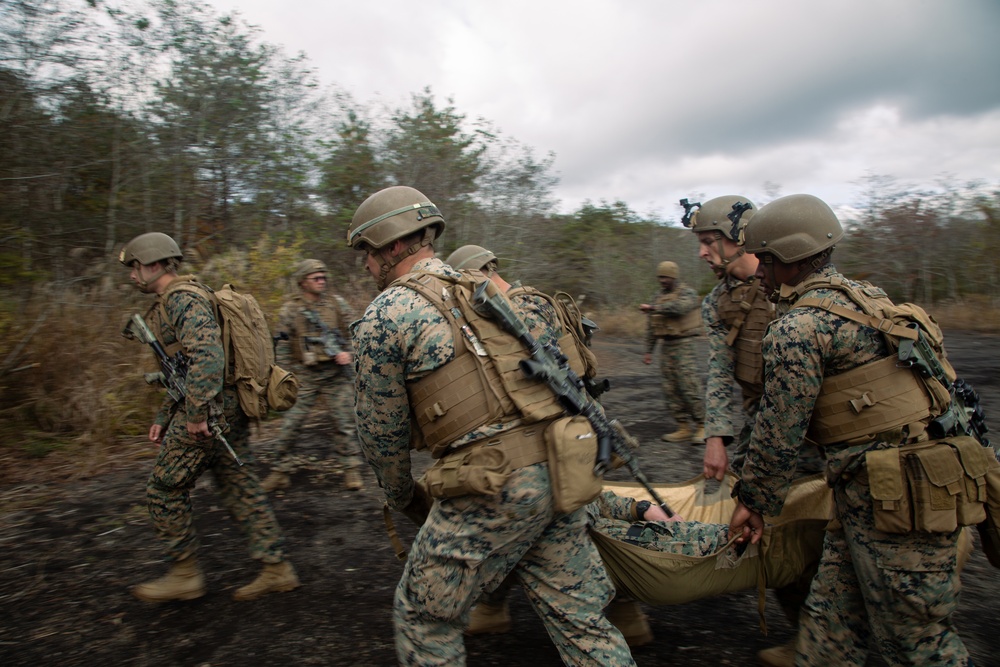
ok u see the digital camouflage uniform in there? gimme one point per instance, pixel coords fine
(898, 589)
(182, 459)
(470, 543)
(320, 377)
(682, 388)
(723, 358)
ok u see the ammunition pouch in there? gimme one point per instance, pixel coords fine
(932, 487)
(484, 466)
(572, 449)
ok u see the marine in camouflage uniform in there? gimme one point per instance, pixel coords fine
(185, 320)
(469, 543)
(323, 363)
(674, 319)
(898, 589)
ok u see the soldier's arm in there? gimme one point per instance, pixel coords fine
(686, 301)
(283, 349)
(382, 405)
(194, 324)
(720, 384)
(793, 375)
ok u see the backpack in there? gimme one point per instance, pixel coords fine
(261, 385)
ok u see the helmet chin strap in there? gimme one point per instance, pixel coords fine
(143, 285)
(387, 263)
(725, 262)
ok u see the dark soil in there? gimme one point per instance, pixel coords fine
(70, 550)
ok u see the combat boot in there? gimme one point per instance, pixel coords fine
(352, 480)
(274, 578)
(489, 619)
(184, 581)
(276, 480)
(778, 656)
(682, 434)
(631, 621)
(699, 436)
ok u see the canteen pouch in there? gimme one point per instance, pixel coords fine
(889, 490)
(478, 470)
(572, 450)
(282, 389)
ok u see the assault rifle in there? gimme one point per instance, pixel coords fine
(964, 415)
(331, 339)
(172, 373)
(550, 365)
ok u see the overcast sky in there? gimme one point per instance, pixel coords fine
(648, 101)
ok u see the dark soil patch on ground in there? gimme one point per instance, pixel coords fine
(70, 550)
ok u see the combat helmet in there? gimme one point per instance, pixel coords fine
(668, 270)
(470, 257)
(793, 228)
(149, 248)
(727, 217)
(307, 267)
(391, 214)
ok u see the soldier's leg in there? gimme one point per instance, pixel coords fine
(292, 422)
(468, 544)
(551, 574)
(690, 393)
(670, 380)
(346, 448)
(179, 464)
(243, 497)
(833, 626)
(910, 585)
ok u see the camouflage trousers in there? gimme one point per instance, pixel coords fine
(900, 590)
(470, 544)
(682, 380)
(329, 381)
(179, 464)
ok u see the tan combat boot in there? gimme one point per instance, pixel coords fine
(489, 619)
(631, 621)
(682, 434)
(778, 656)
(274, 578)
(276, 480)
(699, 436)
(352, 480)
(184, 581)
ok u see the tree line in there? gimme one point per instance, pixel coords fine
(119, 117)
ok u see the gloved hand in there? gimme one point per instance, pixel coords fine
(419, 506)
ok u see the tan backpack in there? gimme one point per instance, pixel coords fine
(261, 385)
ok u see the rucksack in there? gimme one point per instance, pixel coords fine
(261, 385)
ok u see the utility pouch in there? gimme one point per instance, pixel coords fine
(572, 450)
(478, 470)
(282, 389)
(932, 487)
(889, 490)
(989, 530)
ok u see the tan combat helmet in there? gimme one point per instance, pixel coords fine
(149, 248)
(307, 267)
(793, 228)
(727, 217)
(470, 257)
(668, 270)
(391, 214)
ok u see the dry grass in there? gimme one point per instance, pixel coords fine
(976, 313)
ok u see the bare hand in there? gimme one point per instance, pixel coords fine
(199, 430)
(343, 358)
(656, 513)
(645, 307)
(156, 434)
(747, 524)
(647, 358)
(716, 461)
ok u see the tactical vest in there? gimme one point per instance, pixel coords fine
(745, 311)
(329, 312)
(484, 383)
(579, 356)
(879, 396)
(688, 324)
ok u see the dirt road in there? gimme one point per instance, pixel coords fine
(70, 550)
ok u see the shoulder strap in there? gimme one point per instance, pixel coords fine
(870, 317)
